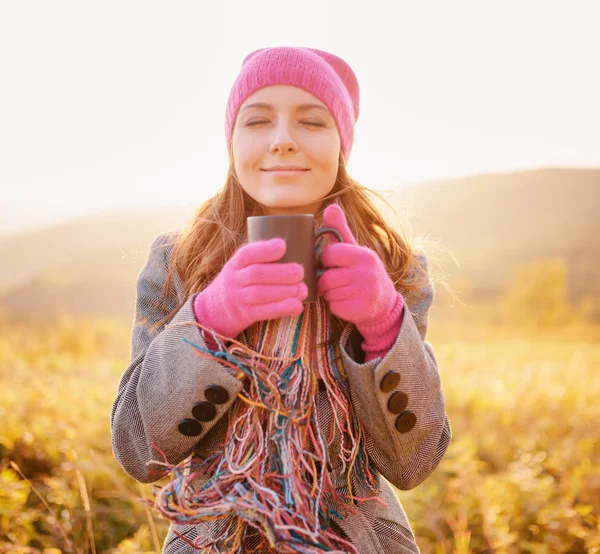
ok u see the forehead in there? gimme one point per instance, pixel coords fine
(282, 96)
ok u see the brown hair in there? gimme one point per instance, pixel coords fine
(217, 230)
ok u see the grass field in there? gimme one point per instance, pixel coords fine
(522, 473)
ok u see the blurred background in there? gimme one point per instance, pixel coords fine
(480, 125)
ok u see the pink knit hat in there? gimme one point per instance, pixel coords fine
(324, 75)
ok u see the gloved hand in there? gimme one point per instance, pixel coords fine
(358, 287)
(251, 288)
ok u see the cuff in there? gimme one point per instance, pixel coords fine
(381, 336)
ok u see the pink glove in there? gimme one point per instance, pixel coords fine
(359, 289)
(251, 288)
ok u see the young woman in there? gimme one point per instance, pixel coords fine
(296, 416)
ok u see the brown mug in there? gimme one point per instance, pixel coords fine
(300, 235)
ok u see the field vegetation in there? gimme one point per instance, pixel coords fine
(522, 474)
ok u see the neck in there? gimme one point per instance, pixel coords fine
(310, 209)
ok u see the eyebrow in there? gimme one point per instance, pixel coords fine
(270, 106)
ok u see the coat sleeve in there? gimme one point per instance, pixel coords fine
(164, 381)
(399, 398)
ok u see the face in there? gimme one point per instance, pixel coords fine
(289, 127)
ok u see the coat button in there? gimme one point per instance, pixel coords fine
(216, 394)
(405, 422)
(322, 386)
(397, 402)
(390, 381)
(189, 427)
(204, 411)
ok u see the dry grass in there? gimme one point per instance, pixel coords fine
(522, 473)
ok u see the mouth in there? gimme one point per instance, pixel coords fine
(285, 172)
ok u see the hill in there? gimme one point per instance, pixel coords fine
(491, 224)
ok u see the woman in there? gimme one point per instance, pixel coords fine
(378, 413)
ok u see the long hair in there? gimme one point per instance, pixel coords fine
(218, 227)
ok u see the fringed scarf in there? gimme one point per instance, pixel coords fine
(271, 477)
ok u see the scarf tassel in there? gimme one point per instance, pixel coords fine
(269, 481)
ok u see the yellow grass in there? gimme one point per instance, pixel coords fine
(522, 473)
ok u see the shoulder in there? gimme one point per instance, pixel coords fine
(417, 275)
(419, 268)
(159, 256)
(420, 265)
(163, 243)
(158, 271)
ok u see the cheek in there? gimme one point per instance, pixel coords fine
(326, 153)
(329, 164)
(244, 155)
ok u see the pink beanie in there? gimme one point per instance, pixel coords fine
(324, 75)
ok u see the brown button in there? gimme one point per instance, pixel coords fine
(189, 427)
(405, 421)
(390, 381)
(204, 411)
(397, 402)
(216, 394)
(322, 386)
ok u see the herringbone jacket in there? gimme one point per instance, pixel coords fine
(166, 378)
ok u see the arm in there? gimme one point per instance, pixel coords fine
(163, 382)
(407, 446)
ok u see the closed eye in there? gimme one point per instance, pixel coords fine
(311, 123)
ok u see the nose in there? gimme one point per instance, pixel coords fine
(283, 139)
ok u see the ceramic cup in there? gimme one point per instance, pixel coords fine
(301, 238)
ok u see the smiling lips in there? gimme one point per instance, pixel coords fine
(285, 170)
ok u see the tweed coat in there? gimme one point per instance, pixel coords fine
(166, 378)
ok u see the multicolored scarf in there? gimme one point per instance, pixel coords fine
(271, 477)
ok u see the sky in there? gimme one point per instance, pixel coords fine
(115, 105)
